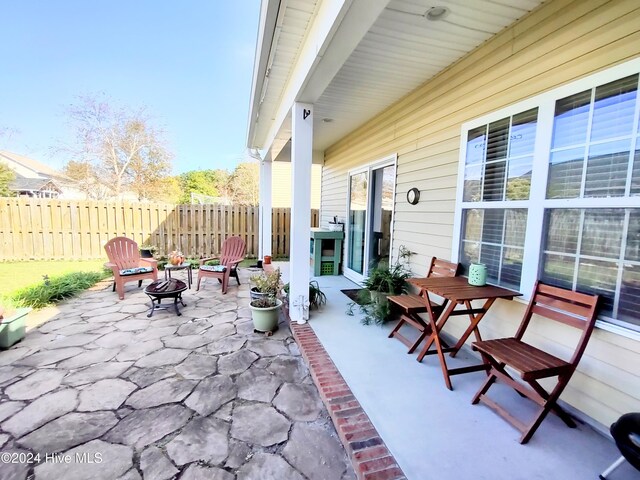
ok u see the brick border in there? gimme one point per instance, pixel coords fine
(370, 457)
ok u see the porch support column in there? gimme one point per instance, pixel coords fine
(264, 235)
(301, 160)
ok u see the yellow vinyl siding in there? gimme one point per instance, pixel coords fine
(557, 43)
(281, 182)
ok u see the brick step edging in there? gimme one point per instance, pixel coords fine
(370, 457)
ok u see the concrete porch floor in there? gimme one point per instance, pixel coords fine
(437, 433)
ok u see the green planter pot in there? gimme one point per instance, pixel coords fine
(265, 319)
(12, 329)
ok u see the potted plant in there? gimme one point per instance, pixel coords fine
(317, 298)
(265, 284)
(146, 251)
(264, 313)
(12, 327)
(176, 257)
(264, 304)
(382, 282)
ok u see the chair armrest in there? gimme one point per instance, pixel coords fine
(235, 261)
(204, 260)
(152, 261)
(109, 265)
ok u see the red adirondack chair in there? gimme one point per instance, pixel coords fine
(233, 250)
(126, 264)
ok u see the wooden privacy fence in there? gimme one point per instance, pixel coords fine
(34, 228)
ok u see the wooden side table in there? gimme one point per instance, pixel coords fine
(456, 291)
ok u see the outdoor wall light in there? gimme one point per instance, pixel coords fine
(436, 13)
(413, 196)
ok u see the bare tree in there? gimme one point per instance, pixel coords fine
(118, 148)
(85, 179)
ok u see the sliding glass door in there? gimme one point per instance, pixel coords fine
(369, 219)
(357, 225)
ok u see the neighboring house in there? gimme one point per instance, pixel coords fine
(34, 179)
(518, 124)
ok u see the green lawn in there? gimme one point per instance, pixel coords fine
(17, 275)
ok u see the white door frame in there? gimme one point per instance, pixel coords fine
(390, 160)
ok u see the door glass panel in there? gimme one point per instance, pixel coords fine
(357, 221)
(382, 181)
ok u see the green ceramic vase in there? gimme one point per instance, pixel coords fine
(478, 274)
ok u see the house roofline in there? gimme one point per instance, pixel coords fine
(269, 13)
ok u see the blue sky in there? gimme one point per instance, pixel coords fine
(189, 62)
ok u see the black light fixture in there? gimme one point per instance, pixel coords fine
(413, 196)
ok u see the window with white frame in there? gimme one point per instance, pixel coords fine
(551, 190)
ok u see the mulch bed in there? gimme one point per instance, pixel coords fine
(352, 293)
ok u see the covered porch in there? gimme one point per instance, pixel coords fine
(436, 433)
(462, 101)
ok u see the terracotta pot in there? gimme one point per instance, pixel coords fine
(267, 259)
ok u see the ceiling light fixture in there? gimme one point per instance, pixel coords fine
(436, 13)
(327, 120)
(433, 14)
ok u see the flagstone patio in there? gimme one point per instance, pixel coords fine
(101, 391)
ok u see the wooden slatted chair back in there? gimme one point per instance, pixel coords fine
(442, 268)
(123, 252)
(233, 248)
(575, 309)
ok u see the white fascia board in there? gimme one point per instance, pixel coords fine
(337, 29)
(266, 28)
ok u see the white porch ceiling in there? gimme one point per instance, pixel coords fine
(401, 51)
(294, 19)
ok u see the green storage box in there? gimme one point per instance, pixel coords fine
(12, 328)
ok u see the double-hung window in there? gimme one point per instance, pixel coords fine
(550, 189)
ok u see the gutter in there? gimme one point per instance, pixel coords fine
(271, 19)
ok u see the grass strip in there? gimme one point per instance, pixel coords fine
(54, 289)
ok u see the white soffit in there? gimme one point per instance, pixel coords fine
(401, 51)
(296, 19)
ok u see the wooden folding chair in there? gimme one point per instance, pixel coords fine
(412, 305)
(574, 309)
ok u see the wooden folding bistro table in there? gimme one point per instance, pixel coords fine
(456, 291)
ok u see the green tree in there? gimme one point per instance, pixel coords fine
(211, 183)
(518, 188)
(6, 177)
(244, 184)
